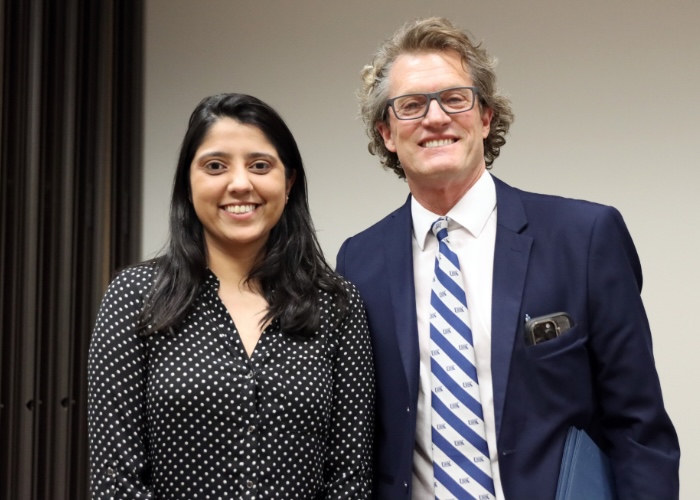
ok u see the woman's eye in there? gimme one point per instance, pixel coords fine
(215, 166)
(260, 167)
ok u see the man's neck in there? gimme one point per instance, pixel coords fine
(439, 198)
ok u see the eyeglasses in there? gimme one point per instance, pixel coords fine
(414, 106)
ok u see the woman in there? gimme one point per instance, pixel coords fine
(236, 365)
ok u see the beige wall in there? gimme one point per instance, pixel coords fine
(605, 94)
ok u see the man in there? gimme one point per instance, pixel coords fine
(471, 405)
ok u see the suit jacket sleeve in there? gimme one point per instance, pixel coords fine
(643, 443)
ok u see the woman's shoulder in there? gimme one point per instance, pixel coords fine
(135, 279)
(350, 302)
(346, 287)
(137, 273)
(350, 288)
(344, 318)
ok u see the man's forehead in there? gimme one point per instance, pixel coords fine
(428, 71)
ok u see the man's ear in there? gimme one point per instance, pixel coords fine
(385, 131)
(486, 117)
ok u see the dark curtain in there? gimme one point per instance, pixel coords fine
(70, 166)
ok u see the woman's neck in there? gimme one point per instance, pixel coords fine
(231, 268)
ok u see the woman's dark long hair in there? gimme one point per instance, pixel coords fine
(291, 269)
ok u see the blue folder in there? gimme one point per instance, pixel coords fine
(585, 472)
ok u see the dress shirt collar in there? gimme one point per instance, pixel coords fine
(471, 211)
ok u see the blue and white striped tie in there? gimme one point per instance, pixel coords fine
(461, 461)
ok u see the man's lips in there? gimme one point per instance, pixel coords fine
(436, 143)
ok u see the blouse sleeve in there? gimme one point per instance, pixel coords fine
(117, 372)
(348, 470)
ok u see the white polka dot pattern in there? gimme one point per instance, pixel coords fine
(191, 416)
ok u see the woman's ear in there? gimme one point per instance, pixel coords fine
(290, 183)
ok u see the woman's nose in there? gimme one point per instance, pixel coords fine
(239, 180)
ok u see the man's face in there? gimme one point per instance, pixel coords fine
(440, 149)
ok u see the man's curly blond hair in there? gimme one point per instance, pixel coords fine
(433, 34)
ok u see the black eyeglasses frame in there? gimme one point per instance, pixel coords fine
(433, 96)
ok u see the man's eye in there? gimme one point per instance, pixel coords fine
(455, 99)
(412, 105)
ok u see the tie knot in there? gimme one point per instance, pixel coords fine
(440, 228)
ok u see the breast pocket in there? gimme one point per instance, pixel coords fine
(572, 340)
(559, 373)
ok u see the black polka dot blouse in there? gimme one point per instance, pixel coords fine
(191, 416)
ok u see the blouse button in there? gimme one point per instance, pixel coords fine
(249, 374)
(251, 428)
(250, 483)
(110, 471)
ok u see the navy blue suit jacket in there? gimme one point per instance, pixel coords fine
(552, 254)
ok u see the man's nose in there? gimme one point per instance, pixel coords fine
(435, 113)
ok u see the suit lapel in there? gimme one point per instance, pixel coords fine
(398, 254)
(511, 256)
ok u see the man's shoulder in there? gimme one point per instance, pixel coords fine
(367, 249)
(374, 232)
(551, 207)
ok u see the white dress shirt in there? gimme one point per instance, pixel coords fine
(472, 230)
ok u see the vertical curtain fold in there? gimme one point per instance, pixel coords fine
(70, 177)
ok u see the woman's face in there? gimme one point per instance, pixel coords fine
(238, 187)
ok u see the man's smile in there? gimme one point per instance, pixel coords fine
(436, 143)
